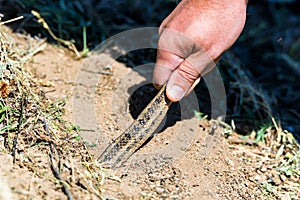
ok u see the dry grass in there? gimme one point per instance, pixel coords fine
(32, 128)
(275, 155)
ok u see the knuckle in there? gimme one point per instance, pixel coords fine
(188, 72)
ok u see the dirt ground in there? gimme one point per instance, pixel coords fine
(200, 163)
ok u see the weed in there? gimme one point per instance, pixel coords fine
(73, 128)
(268, 187)
(90, 144)
(78, 137)
(260, 134)
(200, 115)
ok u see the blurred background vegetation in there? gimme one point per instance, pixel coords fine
(261, 71)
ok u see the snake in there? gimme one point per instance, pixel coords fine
(120, 149)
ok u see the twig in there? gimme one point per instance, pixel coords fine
(11, 20)
(295, 113)
(97, 72)
(243, 141)
(54, 168)
(293, 64)
(15, 142)
(33, 52)
(69, 44)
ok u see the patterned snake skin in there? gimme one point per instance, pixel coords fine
(137, 133)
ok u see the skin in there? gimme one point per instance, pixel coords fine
(192, 39)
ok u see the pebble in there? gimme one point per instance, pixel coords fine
(282, 177)
(174, 196)
(152, 186)
(276, 180)
(229, 162)
(159, 190)
(257, 177)
(171, 188)
(263, 169)
(143, 194)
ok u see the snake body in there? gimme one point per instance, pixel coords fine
(137, 133)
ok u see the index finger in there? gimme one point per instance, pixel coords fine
(173, 48)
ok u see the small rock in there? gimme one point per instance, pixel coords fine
(282, 177)
(171, 188)
(176, 196)
(263, 169)
(143, 194)
(159, 190)
(276, 180)
(294, 178)
(257, 177)
(229, 162)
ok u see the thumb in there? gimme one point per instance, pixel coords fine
(181, 81)
(187, 75)
(166, 63)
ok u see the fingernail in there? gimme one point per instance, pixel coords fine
(175, 93)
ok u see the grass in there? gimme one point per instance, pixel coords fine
(279, 159)
(71, 20)
(261, 133)
(267, 50)
(33, 130)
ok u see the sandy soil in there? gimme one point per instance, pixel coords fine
(187, 159)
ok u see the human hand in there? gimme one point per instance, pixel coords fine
(192, 39)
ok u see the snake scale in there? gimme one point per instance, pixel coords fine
(119, 151)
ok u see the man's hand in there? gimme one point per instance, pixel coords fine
(192, 39)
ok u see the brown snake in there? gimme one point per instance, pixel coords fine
(137, 133)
